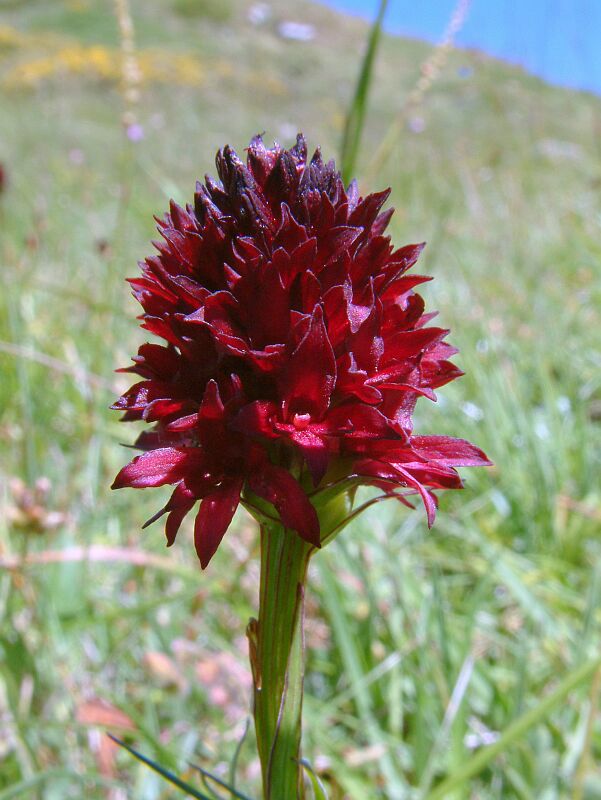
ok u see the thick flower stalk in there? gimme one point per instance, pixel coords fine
(295, 349)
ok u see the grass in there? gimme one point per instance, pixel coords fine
(423, 646)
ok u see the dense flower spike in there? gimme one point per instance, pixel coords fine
(296, 349)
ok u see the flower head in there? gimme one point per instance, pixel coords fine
(295, 351)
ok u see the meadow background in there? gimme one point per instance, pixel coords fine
(424, 648)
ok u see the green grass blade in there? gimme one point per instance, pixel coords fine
(237, 751)
(355, 117)
(353, 659)
(231, 789)
(164, 773)
(22, 788)
(319, 791)
(515, 731)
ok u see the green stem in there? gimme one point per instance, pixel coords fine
(276, 653)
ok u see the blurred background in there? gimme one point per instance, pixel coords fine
(423, 647)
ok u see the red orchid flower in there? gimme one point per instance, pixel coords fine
(295, 351)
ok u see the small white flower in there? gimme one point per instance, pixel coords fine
(296, 30)
(472, 411)
(259, 13)
(541, 429)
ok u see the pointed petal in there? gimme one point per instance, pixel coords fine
(367, 210)
(406, 344)
(174, 521)
(337, 241)
(352, 381)
(427, 497)
(278, 487)
(213, 519)
(395, 472)
(255, 419)
(315, 452)
(449, 451)
(180, 503)
(357, 420)
(310, 376)
(212, 406)
(183, 423)
(158, 467)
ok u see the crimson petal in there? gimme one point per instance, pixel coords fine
(179, 505)
(315, 452)
(158, 467)
(277, 486)
(310, 376)
(449, 451)
(213, 519)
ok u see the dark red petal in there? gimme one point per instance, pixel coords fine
(213, 519)
(180, 502)
(401, 476)
(282, 183)
(315, 452)
(290, 234)
(309, 290)
(260, 159)
(357, 420)
(372, 260)
(211, 407)
(278, 487)
(250, 254)
(381, 222)
(158, 467)
(367, 210)
(161, 328)
(435, 366)
(335, 306)
(353, 381)
(183, 423)
(367, 344)
(251, 291)
(179, 505)
(337, 241)
(174, 521)
(300, 259)
(405, 257)
(429, 501)
(158, 409)
(267, 360)
(406, 344)
(352, 195)
(449, 451)
(436, 476)
(255, 418)
(398, 407)
(358, 313)
(143, 393)
(310, 375)
(147, 440)
(397, 288)
(156, 361)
